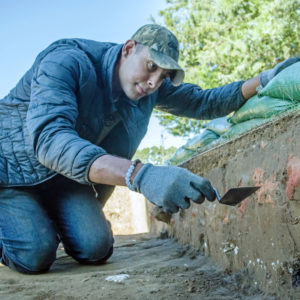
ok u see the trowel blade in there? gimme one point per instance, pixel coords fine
(236, 195)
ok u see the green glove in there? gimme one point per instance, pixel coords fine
(267, 75)
(172, 187)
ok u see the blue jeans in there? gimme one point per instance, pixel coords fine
(33, 220)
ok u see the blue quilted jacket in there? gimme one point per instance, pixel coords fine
(55, 118)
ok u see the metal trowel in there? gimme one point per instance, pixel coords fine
(232, 197)
(236, 195)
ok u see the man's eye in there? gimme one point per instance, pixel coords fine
(152, 66)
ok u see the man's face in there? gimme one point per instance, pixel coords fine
(138, 74)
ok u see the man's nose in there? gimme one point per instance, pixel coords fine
(154, 80)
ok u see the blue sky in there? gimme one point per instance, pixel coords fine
(28, 26)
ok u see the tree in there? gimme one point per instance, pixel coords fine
(223, 41)
(155, 155)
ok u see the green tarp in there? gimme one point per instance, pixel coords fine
(285, 85)
(242, 127)
(219, 125)
(201, 140)
(260, 107)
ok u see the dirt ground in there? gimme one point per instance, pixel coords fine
(156, 268)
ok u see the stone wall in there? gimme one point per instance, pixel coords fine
(262, 234)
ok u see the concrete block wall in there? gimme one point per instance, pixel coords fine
(263, 233)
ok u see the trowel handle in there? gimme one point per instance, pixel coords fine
(163, 216)
(217, 194)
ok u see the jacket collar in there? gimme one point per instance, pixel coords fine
(109, 61)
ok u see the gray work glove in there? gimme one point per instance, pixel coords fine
(172, 187)
(267, 75)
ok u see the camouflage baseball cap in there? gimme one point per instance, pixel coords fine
(163, 47)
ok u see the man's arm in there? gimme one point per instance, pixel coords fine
(111, 170)
(53, 112)
(168, 187)
(249, 87)
(189, 100)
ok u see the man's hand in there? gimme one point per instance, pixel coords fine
(172, 187)
(267, 75)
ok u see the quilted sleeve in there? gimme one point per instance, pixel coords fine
(53, 111)
(189, 100)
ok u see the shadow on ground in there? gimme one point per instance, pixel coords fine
(156, 268)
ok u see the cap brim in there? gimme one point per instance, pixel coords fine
(166, 62)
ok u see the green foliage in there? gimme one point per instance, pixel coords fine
(224, 41)
(155, 155)
(178, 126)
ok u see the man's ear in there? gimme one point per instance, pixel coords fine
(128, 48)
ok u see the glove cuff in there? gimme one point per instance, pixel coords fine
(136, 184)
(264, 77)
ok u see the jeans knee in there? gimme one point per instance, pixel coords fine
(95, 251)
(34, 260)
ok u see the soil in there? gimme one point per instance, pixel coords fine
(156, 268)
